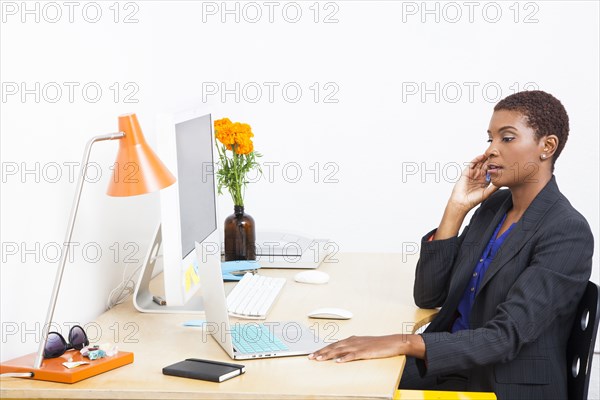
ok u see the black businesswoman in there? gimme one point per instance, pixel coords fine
(510, 283)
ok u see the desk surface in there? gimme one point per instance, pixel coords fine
(377, 288)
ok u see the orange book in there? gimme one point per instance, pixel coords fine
(53, 370)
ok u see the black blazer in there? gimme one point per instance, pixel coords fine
(524, 309)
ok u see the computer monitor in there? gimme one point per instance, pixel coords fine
(188, 214)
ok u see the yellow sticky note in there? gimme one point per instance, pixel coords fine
(188, 280)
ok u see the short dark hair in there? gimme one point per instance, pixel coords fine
(544, 112)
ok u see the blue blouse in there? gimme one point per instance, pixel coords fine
(468, 298)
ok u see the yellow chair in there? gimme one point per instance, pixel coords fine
(440, 395)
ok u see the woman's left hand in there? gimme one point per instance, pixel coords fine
(365, 347)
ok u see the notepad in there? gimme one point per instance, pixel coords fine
(206, 370)
(234, 270)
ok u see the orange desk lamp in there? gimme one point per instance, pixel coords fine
(137, 171)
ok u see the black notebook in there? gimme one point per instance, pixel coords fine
(206, 370)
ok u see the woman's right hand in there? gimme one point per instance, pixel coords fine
(472, 188)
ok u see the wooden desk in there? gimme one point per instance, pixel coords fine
(377, 288)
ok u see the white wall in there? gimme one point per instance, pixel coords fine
(371, 139)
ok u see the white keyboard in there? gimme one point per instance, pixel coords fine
(253, 296)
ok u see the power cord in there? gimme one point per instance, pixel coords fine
(126, 287)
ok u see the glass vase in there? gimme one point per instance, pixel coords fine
(240, 237)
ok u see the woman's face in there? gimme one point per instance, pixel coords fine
(513, 152)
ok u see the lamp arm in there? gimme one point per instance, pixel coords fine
(66, 244)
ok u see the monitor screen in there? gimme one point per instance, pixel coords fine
(197, 208)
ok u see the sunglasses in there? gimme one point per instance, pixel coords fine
(56, 345)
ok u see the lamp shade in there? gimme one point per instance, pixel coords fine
(138, 169)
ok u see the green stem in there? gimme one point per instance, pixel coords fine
(232, 173)
(237, 197)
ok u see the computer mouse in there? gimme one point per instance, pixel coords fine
(312, 277)
(330, 313)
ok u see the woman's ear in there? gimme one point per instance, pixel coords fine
(550, 143)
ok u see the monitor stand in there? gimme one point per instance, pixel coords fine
(143, 297)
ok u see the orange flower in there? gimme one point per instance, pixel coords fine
(224, 132)
(234, 134)
(241, 135)
(221, 122)
(244, 147)
(226, 135)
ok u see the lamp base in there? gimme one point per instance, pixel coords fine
(53, 370)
